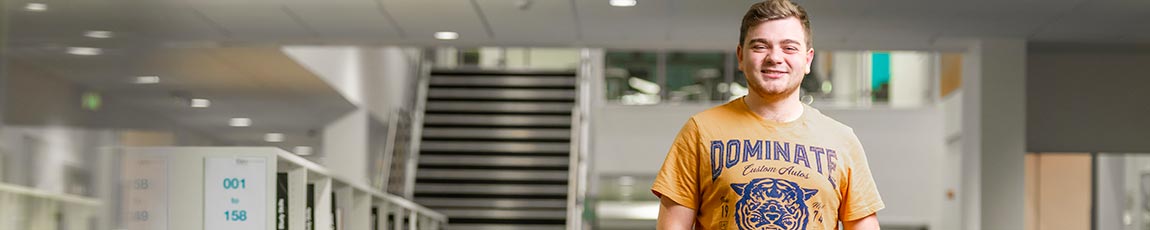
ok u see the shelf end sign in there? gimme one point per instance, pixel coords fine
(235, 193)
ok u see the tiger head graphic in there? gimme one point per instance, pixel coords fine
(767, 203)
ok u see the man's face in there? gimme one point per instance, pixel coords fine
(774, 57)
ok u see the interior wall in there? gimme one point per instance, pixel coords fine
(951, 217)
(339, 66)
(1087, 100)
(380, 81)
(905, 149)
(390, 79)
(634, 140)
(345, 146)
(994, 133)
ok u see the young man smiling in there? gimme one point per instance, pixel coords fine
(766, 160)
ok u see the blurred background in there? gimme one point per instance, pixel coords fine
(557, 114)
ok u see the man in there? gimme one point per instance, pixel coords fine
(766, 160)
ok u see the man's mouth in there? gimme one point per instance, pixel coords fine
(774, 74)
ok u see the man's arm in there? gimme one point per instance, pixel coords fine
(866, 223)
(673, 216)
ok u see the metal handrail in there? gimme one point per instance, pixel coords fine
(580, 127)
(424, 68)
(392, 199)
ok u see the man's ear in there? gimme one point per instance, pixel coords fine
(739, 57)
(810, 59)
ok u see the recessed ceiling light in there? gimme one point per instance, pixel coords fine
(36, 7)
(147, 80)
(446, 35)
(274, 137)
(303, 150)
(201, 103)
(98, 34)
(84, 51)
(240, 122)
(623, 3)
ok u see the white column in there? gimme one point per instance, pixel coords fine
(994, 133)
(345, 146)
(910, 77)
(844, 76)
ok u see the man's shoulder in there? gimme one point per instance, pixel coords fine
(822, 121)
(725, 112)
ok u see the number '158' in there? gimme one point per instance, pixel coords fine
(236, 215)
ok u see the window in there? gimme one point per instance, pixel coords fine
(631, 78)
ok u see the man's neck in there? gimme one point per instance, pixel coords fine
(779, 109)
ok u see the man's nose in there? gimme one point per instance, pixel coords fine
(774, 57)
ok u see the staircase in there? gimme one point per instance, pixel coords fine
(495, 148)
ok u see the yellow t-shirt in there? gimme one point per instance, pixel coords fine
(739, 171)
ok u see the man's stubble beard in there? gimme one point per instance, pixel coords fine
(763, 92)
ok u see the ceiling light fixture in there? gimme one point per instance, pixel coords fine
(84, 51)
(303, 150)
(240, 122)
(446, 35)
(36, 7)
(274, 137)
(624, 3)
(201, 103)
(147, 80)
(98, 34)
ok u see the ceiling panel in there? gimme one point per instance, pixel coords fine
(68, 22)
(257, 22)
(420, 19)
(175, 23)
(360, 21)
(706, 21)
(646, 22)
(541, 21)
(197, 70)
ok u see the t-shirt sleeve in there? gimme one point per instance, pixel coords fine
(679, 177)
(861, 197)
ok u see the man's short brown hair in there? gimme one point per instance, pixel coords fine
(774, 10)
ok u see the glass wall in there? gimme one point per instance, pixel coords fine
(1122, 186)
(837, 78)
(506, 58)
(1087, 191)
(631, 77)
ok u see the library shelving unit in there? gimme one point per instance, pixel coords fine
(254, 188)
(26, 208)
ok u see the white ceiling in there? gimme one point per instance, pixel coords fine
(145, 30)
(672, 24)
